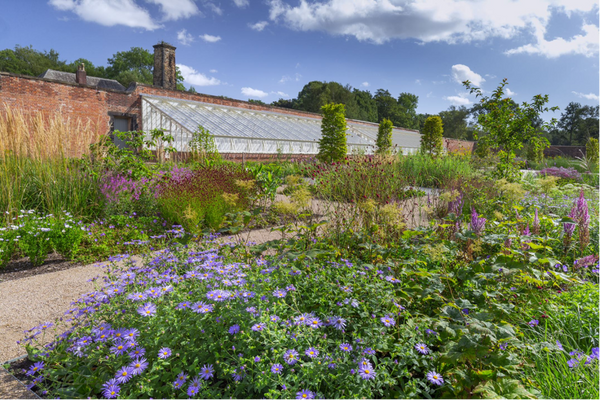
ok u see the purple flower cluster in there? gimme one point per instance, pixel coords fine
(477, 223)
(561, 172)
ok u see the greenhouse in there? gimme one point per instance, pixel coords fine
(239, 130)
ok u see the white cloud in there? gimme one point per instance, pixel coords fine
(214, 8)
(298, 76)
(259, 26)
(241, 3)
(365, 84)
(210, 38)
(284, 79)
(184, 38)
(451, 21)
(281, 94)
(509, 92)
(418, 81)
(213, 71)
(585, 44)
(461, 72)
(458, 100)
(247, 91)
(176, 9)
(589, 96)
(109, 12)
(193, 77)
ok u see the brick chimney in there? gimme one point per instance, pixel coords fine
(80, 75)
(164, 66)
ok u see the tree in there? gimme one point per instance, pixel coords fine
(455, 122)
(431, 136)
(508, 126)
(406, 111)
(570, 120)
(384, 137)
(259, 102)
(27, 61)
(90, 68)
(332, 146)
(367, 106)
(386, 105)
(285, 103)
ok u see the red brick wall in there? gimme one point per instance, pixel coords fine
(458, 146)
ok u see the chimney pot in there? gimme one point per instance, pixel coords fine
(165, 73)
(80, 75)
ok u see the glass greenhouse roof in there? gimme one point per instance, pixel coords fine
(239, 130)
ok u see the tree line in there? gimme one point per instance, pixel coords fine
(575, 126)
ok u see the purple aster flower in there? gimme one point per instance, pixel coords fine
(338, 323)
(279, 293)
(315, 323)
(137, 296)
(137, 352)
(258, 327)
(181, 378)
(533, 322)
(291, 356)
(392, 279)
(183, 306)
(201, 307)
(312, 352)
(119, 347)
(369, 351)
(366, 372)
(234, 329)
(277, 368)
(132, 334)
(194, 387)
(257, 359)
(35, 368)
(164, 353)
(274, 318)
(124, 374)
(430, 332)
(422, 348)
(147, 310)
(573, 362)
(111, 391)
(139, 365)
(305, 394)
(435, 378)
(345, 347)
(206, 372)
(388, 321)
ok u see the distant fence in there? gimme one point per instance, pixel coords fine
(569, 151)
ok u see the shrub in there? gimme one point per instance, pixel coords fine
(431, 136)
(200, 195)
(203, 147)
(591, 149)
(425, 171)
(384, 137)
(332, 145)
(569, 174)
(535, 149)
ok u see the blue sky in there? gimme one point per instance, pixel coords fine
(269, 49)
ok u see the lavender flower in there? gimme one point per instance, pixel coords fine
(124, 374)
(305, 394)
(147, 310)
(164, 353)
(366, 372)
(422, 348)
(345, 347)
(388, 321)
(435, 378)
(206, 372)
(234, 329)
(138, 365)
(277, 368)
(312, 352)
(291, 357)
(111, 390)
(279, 293)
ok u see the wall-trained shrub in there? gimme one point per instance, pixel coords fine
(431, 136)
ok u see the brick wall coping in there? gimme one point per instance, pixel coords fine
(138, 88)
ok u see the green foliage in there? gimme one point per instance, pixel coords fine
(27, 61)
(431, 137)
(591, 151)
(384, 137)
(332, 145)
(535, 148)
(455, 122)
(508, 125)
(426, 171)
(202, 146)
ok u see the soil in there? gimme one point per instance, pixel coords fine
(22, 268)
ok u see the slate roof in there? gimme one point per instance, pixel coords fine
(69, 77)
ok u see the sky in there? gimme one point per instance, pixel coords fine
(269, 49)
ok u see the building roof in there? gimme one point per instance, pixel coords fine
(237, 129)
(69, 77)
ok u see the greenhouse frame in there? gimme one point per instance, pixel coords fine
(240, 130)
